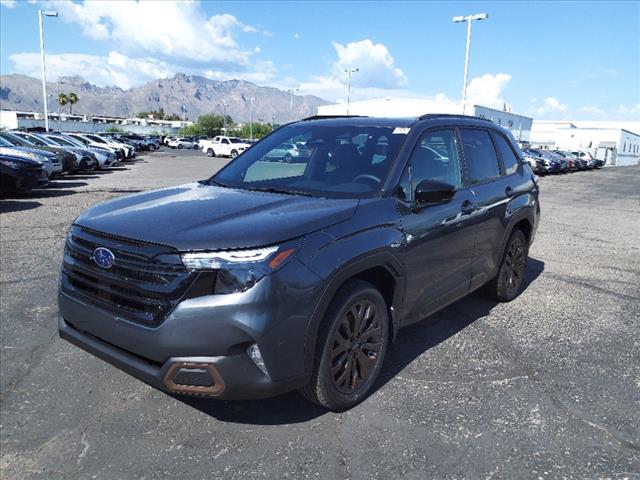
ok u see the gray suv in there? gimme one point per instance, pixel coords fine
(274, 276)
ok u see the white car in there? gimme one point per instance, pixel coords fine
(104, 157)
(221, 146)
(182, 143)
(129, 151)
(85, 140)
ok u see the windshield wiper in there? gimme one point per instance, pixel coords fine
(277, 190)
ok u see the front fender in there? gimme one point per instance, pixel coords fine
(339, 260)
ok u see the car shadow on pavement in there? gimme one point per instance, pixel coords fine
(7, 206)
(412, 342)
(63, 184)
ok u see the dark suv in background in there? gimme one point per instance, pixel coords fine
(272, 276)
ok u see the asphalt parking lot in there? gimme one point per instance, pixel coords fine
(547, 386)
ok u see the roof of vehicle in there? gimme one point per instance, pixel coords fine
(345, 120)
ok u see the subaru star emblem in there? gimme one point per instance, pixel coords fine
(103, 257)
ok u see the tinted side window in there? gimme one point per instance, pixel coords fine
(436, 158)
(509, 159)
(482, 162)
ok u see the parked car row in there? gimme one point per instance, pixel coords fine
(560, 161)
(30, 159)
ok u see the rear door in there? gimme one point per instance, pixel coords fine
(492, 190)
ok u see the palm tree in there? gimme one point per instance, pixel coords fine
(72, 99)
(62, 100)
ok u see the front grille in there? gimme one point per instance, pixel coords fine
(144, 284)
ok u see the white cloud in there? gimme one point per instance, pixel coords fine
(165, 29)
(260, 72)
(8, 3)
(377, 66)
(592, 109)
(377, 76)
(487, 90)
(296, 35)
(114, 69)
(551, 105)
(631, 111)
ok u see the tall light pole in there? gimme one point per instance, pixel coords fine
(251, 100)
(44, 74)
(224, 117)
(468, 19)
(291, 90)
(349, 71)
(60, 82)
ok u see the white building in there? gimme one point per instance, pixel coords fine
(519, 125)
(11, 120)
(613, 142)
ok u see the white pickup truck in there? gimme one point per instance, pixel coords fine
(221, 146)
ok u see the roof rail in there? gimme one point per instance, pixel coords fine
(318, 117)
(451, 115)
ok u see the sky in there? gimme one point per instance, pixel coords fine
(550, 60)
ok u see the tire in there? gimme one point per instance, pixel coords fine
(287, 158)
(234, 153)
(179, 146)
(510, 279)
(211, 153)
(339, 347)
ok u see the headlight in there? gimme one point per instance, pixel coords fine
(216, 260)
(11, 164)
(238, 270)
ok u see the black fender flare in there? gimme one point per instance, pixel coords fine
(384, 258)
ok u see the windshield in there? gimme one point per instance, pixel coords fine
(61, 141)
(327, 161)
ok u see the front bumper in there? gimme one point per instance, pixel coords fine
(239, 378)
(215, 330)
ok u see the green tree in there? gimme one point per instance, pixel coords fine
(172, 117)
(192, 130)
(211, 125)
(62, 99)
(73, 99)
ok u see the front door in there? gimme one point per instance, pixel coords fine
(440, 239)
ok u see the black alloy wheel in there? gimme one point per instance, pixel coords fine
(356, 347)
(509, 282)
(352, 341)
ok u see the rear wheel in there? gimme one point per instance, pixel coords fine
(352, 343)
(179, 146)
(287, 158)
(211, 153)
(234, 153)
(508, 284)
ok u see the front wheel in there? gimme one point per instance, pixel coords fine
(510, 280)
(352, 342)
(179, 146)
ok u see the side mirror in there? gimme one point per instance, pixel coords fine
(431, 192)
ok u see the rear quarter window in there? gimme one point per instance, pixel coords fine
(480, 155)
(509, 159)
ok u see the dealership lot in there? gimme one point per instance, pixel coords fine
(547, 386)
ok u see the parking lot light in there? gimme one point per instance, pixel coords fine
(291, 90)
(468, 19)
(251, 100)
(44, 75)
(349, 71)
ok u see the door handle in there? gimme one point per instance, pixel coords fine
(467, 207)
(509, 192)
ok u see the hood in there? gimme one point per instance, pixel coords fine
(204, 217)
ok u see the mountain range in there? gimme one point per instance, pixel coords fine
(198, 94)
